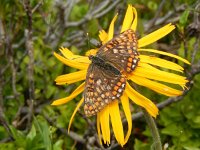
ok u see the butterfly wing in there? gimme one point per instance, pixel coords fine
(121, 51)
(102, 87)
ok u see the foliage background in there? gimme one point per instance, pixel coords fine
(30, 31)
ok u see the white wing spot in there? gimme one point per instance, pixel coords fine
(123, 85)
(98, 82)
(133, 66)
(102, 95)
(134, 61)
(98, 90)
(118, 95)
(115, 51)
(113, 97)
(122, 51)
(120, 90)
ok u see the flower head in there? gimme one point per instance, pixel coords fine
(146, 73)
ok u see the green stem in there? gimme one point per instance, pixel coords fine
(157, 145)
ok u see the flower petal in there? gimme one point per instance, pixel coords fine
(161, 63)
(104, 122)
(116, 122)
(76, 92)
(103, 36)
(141, 100)
(71, 63)
(166, 54)
(111, 29)
(134, 24)
(127, 19)
(98, 128)
(75, 111)
(156, 35)
(71, 77)
(126, 108)
(91, 52)
(66, 52)
(157, 87)
(69, 55)
(147, 71)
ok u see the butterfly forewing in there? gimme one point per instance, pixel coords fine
(121, 51)
(102, 87)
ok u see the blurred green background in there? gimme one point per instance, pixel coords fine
(30, 31)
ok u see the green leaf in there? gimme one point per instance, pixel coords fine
(184, 18)
(43, 128)
(31, 135)
(152, 5)
(58, 145)
(141, 146)
(78, 12)
(173, 130)
(19, 137)
(191, 148)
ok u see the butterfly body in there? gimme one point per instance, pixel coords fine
(98, 61)
(106, 75)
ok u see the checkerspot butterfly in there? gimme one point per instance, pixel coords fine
(106, 75)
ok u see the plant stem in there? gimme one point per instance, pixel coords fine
(157, 145)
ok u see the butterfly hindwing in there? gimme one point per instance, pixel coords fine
(102, 87)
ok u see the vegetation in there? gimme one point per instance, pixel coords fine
(30, 31)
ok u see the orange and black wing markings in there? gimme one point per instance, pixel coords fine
(102, 87)
(106, 75)
(121, 51)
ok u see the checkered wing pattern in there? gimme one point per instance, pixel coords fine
(102, 87)
(106, 76)
(121, 51)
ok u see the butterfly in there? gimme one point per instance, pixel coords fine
(106, 75)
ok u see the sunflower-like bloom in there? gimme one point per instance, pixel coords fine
(145, 74)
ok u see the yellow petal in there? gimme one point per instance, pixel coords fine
(104, 122)
(103, 36)
(98, 128)
(157, 87)
(160, 62)
(156, 35)
(127, 19)
(126, 108)
(71, 63)
(134, 24)
(116, 122)
(147, 71)
(81, 59)
(66, 52)
(166, 54)
(111, 29)
(141, 100)
(77, 58)
(71, 77)
(76, 92)
(69, 55)
(91, 52)
(75, 111)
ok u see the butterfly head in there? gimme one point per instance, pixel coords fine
(91, 57)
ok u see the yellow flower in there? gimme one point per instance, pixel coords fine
(146, 74)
